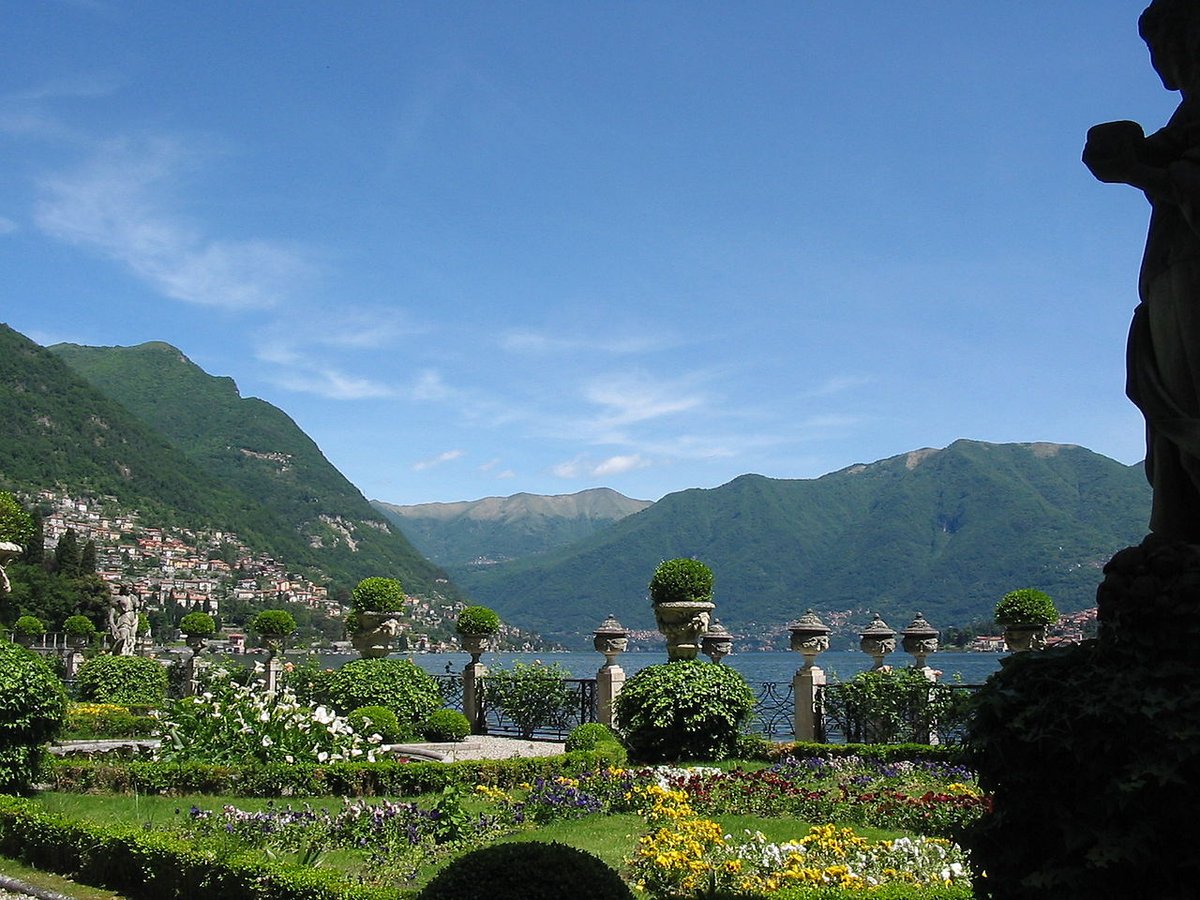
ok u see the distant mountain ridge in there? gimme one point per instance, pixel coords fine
(256, 452)
(473, 532)
(945, 532)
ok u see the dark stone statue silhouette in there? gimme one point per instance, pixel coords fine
(1163, 357)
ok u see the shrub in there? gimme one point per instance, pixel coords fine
(128, 680)
(532, 695)
(588, 735)
(477, 620)
(528, 870)
(679, 580)
(888, 706)
(79, 627)
(33, 707)
(378, 595)
(87, 721)
(398, 684)
(273, 623)
(198, 624)
(307, 680)
(28, 626)
(446, 725)
(1026, 606)
(685, 709)
(376, 720)
(16, 525)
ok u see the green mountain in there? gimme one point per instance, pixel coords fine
(312, 516)
(494, 529)
(946, 532)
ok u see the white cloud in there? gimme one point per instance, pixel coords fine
(627, 399)
(7, 226)
(617, 465)
(529, 341)
(332, 384)
(837, 385)
(430, 386)
(583, 466)
(447, 456)
(116, 205)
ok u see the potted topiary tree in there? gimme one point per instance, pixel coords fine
(79, 630)
(1025, 613)
(197, 628)
(373, 625)
(27, 628)
(273, 627)
(681, 593)
(476, 626)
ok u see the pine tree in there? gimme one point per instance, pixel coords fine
(35, 547)
(87, 559)
(66, 554)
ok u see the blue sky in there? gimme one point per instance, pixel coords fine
(482, 248)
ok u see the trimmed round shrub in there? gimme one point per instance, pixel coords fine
(1026, 606)
(198, 624)
(273, 623)
(398, 684)
(477, 620)
(446, 725)
(33, 707)
(368, 720)
(683, 710)
(378, 595)
(28, 626)
(126, 680)
(680, 580)
(588, 735)
(79, 627)
(526, 870)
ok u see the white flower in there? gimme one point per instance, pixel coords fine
(322, 756)
(323, 715)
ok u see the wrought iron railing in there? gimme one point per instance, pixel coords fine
(914, 722)
(774, 714)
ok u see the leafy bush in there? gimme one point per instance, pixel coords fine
(28, 627)
(198, 624)
(477, 620)
(398, 684)
(79, 627)
(33, 707)
(528, 870)
(376, 720)
(888, 706)
(685, 709)
(378, 595)
(273, 623)
(678, 580)
(1026, 606)
(128, 680)
(588, 735)
(16, 525)
(532, 695)
(88, 721)
(446, 725)
(307, 680)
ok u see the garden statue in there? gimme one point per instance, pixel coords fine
(1163, 356)
(8, 550)
(123, 626)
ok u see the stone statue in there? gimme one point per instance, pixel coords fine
(123, 626)
(1163, 356)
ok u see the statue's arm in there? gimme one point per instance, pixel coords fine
(1116, 154)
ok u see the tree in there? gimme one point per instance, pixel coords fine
(35, 547)
(16, 525)
(67, 556)
(87, 559)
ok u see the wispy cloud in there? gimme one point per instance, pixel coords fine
(440, 459)
(531, 342)
(837, 385)
(7, 226)
(117, 205)
(625, 399)
(331, 384)
(585, 467)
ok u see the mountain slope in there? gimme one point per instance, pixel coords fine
(257, 450)
(942, 531)
(498, 528)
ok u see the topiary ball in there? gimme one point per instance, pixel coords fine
(398, 684)
(368, 720)
(127, 680)
(588, 735)
(527, 870)
(446, 725)
(685, 709)
(33, 707)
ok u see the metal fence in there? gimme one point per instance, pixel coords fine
(582, 708)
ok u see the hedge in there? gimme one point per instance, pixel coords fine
(143, 864)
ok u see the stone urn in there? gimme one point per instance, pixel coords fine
(611, 639)
(196, 643)
(810, 636)
(475, 644)
(877, 640)
(1021, 638)
(919, 639)
(375, 634)
(717, 642)
(683, 623)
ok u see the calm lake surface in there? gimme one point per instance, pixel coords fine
(779, 665)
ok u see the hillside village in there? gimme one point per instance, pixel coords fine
(180, 570)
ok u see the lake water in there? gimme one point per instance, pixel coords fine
(779, 665)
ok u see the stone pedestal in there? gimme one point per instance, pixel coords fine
(71, 662)
(609, 681)
(806, 689)
(473, 674)
(274, 674)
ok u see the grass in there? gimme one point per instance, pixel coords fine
(47, 881)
